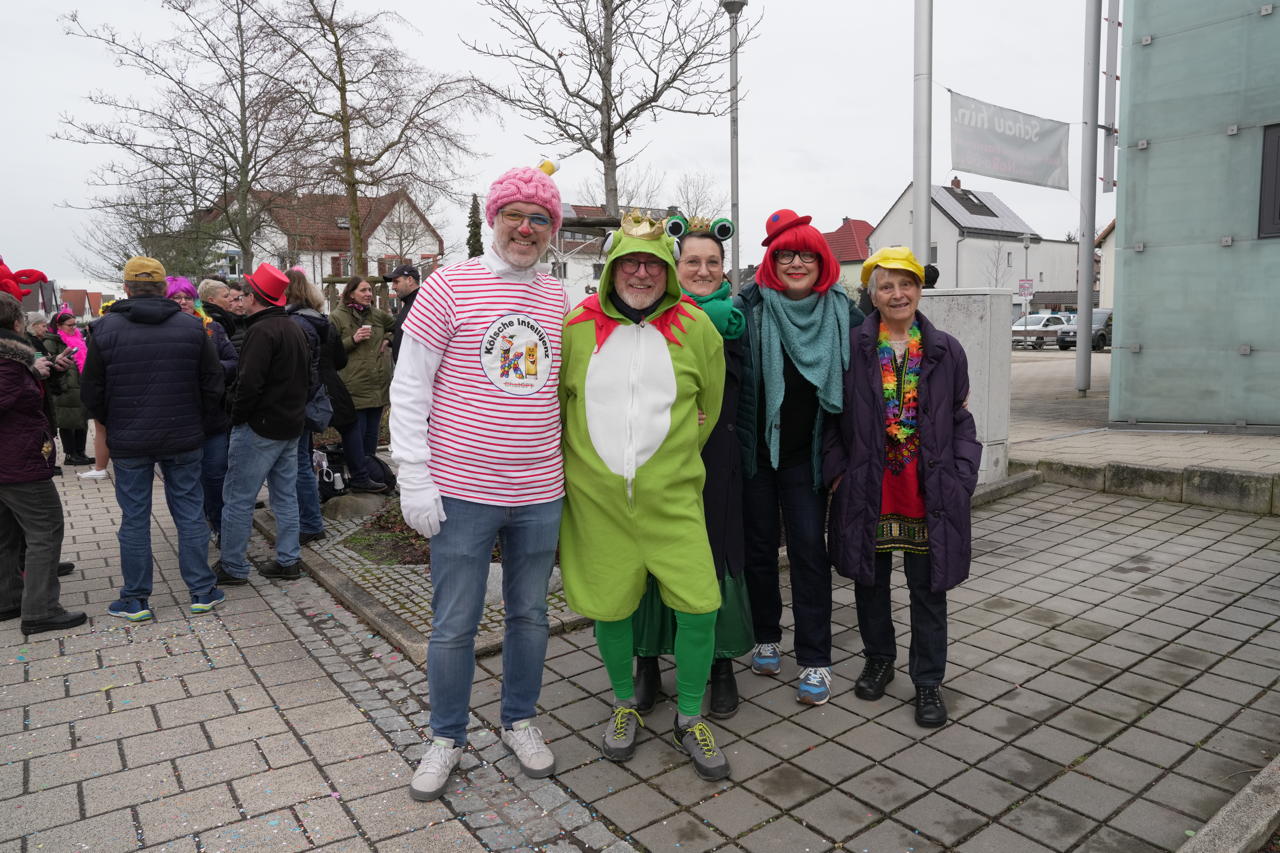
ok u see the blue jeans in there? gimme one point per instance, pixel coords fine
(184, 496)
(803, 512)
(251, 460)
(213, 471)
(459, 569)
(359, 441)
(309, 518)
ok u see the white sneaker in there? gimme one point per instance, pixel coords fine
(535, 757)
(432, 775)
(93, 474)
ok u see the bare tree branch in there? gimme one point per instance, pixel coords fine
(592, 72)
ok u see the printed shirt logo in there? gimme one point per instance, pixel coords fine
(515, 353)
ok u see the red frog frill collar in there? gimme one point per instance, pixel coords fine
(605, 324)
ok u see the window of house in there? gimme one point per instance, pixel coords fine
(1042, 276)
(933, 253)
(597, 270)
(559, 269)
(1269, 203)
(1010, 260)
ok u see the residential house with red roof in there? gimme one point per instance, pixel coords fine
(851, 246)
(313, 230)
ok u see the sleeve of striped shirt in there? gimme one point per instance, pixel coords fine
(412, 393)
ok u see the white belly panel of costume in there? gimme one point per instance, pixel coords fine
(630, 389)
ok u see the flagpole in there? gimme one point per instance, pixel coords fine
(922, 137)
(1088, 197)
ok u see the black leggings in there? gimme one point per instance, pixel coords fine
(73, 441)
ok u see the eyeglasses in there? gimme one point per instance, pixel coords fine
(182, 297)
(515, 218)
(786, 256)
(709, 263)
(632, 265)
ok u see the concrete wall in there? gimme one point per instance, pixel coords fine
(1195, 323)
(1107, 273)
(978, 318)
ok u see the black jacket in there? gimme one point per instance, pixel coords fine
(406, 303)
(273, 382)
(722, 457)
(232, 324)
(152, 377)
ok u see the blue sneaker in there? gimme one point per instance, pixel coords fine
(133, 609)
(766, 659)
(815, 685)
(208, 601)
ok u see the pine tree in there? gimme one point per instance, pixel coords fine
(475, 247)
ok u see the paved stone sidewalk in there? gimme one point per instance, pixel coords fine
(1113, 679)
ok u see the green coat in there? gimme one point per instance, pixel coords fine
(68, 411)
(368, 371)
(630, 396)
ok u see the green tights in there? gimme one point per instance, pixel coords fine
(695, 646)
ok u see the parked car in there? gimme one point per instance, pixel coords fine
(1101, 331)
(1033, 330)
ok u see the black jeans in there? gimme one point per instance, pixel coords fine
(73, 441)
(927, 659)
(34, 512)
(803, 512)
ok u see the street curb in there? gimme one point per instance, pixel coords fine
(383, 621)
(1011, 485)
(1220, 488)
(355, 598)
(1246, 822)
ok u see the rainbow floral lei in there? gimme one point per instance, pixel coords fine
(901, 425)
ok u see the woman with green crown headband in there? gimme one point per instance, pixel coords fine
(700, 269)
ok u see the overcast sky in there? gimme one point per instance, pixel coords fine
(825, 123)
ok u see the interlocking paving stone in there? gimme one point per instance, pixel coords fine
(998, 839)
(737, 810)
(883, 788)
(107, 793)
(1108, 840)
(784, 833)
(50, 771)
(40, 810)
(1155, 824)
(108, 833)
(635, 807)
(1020, 767)
(890, 835)
(1058, 827)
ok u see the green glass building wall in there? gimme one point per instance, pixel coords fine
(1197, 313)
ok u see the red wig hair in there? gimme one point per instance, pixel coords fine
(800, 238)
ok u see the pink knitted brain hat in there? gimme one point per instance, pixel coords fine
(527, 184)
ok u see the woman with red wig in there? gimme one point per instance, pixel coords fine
(796, 348)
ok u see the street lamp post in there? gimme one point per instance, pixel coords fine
(734, 8)
(1026, 271)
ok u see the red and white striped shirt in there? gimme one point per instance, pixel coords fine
(494, 430)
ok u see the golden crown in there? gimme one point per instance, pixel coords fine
(642, 227)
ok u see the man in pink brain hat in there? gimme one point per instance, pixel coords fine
(475, 429)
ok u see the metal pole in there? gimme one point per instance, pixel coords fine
(1088, 196)
(734, 9)
(922, 137)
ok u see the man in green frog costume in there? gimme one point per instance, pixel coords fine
(641, 383)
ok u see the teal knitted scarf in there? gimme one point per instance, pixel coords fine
(718, 305)
(814, 332)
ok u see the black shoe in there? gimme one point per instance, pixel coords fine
(304, 538)
(65, 569)
(647, 680)
(76, 459)
(875, 675)
(366, 485)
(57, 470)
(225, 579)
(724, 690)
(12, 613)
(66, 619)
(277, 572)
(931, 711)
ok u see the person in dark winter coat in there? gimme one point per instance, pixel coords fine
(213, 462)
(30, 510)
(152, 378)
(700, 270)
(268, 416)
(215, 300)
(902, 462)
(405, 281)
(794, 349)
(73, 424)
(303, 304)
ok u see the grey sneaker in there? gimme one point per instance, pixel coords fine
(531, 750)
(620, 732)
(432, 775)
(699, 743)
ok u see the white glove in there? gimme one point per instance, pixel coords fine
(420, 501)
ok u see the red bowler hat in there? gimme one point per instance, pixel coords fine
(780, 221)
(268, 284)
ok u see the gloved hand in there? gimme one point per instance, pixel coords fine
(420, 501)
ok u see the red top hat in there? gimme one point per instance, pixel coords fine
(781, 221)
(268, 284)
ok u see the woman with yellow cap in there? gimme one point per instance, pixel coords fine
(902, 463)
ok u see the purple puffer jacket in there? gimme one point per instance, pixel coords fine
(854, 446)
(25, 433)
